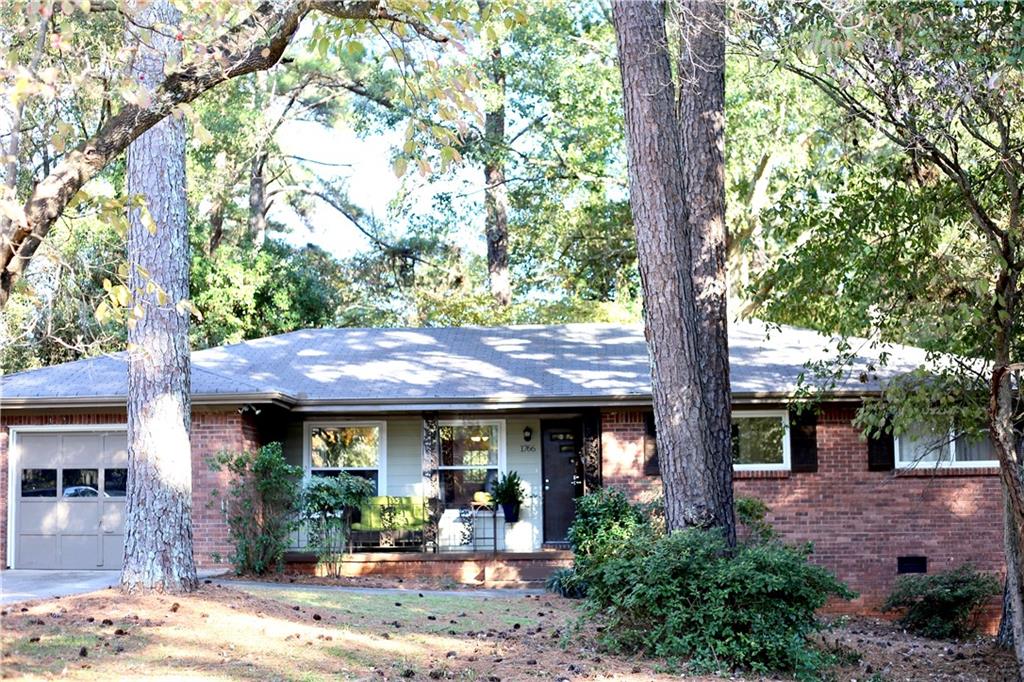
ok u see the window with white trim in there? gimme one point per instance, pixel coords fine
(760, 440)
(355, 448)
(472, 454)
(920, 447)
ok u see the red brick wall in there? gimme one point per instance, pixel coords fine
(859, 521)
(212, 431)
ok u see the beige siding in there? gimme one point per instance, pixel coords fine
(403, 474)
(404, 456)
(524, 458)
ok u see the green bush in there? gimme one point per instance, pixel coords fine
(567, 583)
(687, 595)
(263, 499)
(942, 605)
(603, 518)
(326, 506)
(752, 513)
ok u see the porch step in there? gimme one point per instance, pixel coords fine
(504, 569)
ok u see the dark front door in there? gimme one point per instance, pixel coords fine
(562, 443)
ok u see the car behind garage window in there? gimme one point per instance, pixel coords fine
(81, 482)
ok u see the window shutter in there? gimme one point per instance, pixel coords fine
(803, 441)
(882, 453)
(651, 465)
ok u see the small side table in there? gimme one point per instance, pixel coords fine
(480, 508)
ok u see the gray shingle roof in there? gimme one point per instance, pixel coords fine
(463, 365)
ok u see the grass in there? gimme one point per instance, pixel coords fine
(431, 614)
(274, 633)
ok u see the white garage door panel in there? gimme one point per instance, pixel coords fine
(39, 518)
(113, 551)
(80, 552)
(84, 450)
(74, 523)
(113, 517)
(115, 450)
(38, 451)
(80, 517)
(37, 551)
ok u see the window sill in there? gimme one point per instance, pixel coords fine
(945, 472)
(748, 474)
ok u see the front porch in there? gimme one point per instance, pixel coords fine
(429, 471)
(480, 569)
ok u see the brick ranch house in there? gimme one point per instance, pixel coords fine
(439, 413)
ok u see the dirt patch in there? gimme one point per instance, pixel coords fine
(269, 633)
(888, 653)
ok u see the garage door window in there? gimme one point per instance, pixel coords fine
(81, 482)
(39, 483)
(115, 482)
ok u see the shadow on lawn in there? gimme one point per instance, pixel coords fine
(227, 634)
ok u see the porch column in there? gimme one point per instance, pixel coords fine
(591, 450)
(431, 480)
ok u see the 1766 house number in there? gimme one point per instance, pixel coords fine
(527, 448)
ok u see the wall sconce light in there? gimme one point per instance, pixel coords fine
(527, 434)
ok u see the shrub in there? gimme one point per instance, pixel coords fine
(326, 506)
(567, 583)
(942, 605)
(263, 499)
(685, 595)
(603, 518)
(751, 514)
(688, 595)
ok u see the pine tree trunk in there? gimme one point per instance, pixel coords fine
(158, 526)
(258, 200)
(700, 110)
(697, 491)
(495, 189)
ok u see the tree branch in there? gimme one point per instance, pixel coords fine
(255, 44)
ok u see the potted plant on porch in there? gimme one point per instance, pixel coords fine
(508, 492)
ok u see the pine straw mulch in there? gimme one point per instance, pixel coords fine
(223, 633)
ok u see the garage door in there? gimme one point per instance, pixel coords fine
(70, 490)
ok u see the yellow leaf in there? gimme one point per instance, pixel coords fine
(102, 312)
(400, 167)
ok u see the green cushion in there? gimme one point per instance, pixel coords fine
(406, 513)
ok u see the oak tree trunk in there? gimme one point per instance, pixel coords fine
(158, 526)
(495, 189)
(696, 476)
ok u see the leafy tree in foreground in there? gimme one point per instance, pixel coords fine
(940, 254)
(681, 246)
(226, 40)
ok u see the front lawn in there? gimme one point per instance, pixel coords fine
(295, 633)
